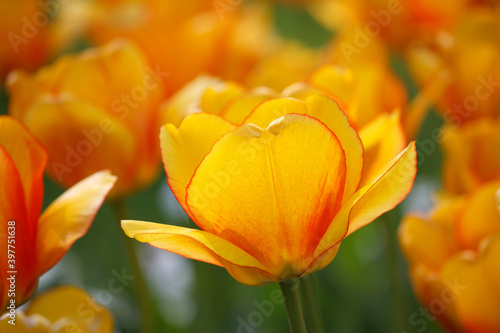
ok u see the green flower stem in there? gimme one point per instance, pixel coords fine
(312, 311)
(394, 268)
(141, 289)
(289, 288)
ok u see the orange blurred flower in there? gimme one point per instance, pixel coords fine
(396, 22)
(468, 58)
(274, 196)
(37, 242)
(32, 33)
(186, 38)
(453, 256)
(471, 156)
(62, 309)
(94, 110)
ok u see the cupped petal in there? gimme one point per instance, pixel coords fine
(183, 148)
(329, 113)
(476, 290)
(69, 308)
(377, 197)
(273, 192)
(203, 246)
(68, 218)
(383, 139)
(30, 158)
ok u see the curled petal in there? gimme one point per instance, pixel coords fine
(377, 197)
(68, 218)
(203, 246)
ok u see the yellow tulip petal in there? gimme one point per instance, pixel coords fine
(68, 218)
(377, 197)
(432, 252)
(477, 302)
(70, 307)
(217, 96)
(480, 218)
(186, 100)
(329, 113)
(184, 148)
(383, 139)
(238, 109)
(273, 192)
(203, 246)
(335, 80)
(29, 157)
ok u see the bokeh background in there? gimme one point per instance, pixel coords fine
(365, 289)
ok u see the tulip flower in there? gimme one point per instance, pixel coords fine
(94, 110)
(62, 309)
(467, 57)
(454, 272)
(471, 156)
(382, 134)
(275, 196)
(32, 243)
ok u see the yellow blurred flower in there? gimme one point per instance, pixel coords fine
(185, 39)
(469, 57)
(33, 243)
(62, 309)
(471, 154)
(94, 110)
(453, 256)
(274, 196)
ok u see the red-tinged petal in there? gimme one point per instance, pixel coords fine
(203, 246)
(16, 231)
(329, 113)
(377, 197)
(30, 158)
(272, 192)
(184, 148)
(69, 217)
